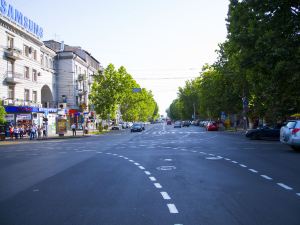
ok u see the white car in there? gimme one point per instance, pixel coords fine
(290, 134)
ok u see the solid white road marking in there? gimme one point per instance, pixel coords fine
(165, 195)
(152, 178)
(141, 167)
(147, 172)
(157, 185)
(266, 177)
(242, 165)
(285, 186)
(253, 171)
(172, 208)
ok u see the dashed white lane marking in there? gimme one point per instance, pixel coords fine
(212, 154)
(157, 185)
(242, 165)
(227, 159)
(131, 160)
(266, 177)
(253, 171)
(168, 160)
(99, 152)
(141, 167)
(165, 195)
(194, 151)
(147, 172)
(234, 161)
(152, 178)
(125, 158)
(172, 208)
(298, 194)
(62, 152)
(285, 186)
(137, 164)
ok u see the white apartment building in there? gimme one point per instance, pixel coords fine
(75, 69)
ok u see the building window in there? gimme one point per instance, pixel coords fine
(34, 96)
(11, 92)
(26, 72)
(34, 75)
(35, 55)
(10, 42)
(26, 50)
(46, 61)
(26, 95)
(50, 63)
(42, 59)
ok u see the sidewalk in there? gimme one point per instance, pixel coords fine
(26, 139)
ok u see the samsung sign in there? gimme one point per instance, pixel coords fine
(15, 15)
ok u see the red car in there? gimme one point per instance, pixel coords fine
(212, 126)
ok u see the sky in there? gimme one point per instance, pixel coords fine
(161, 43)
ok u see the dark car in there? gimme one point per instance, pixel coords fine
(169, 122)
(264, 132)
(137, 127)
(186, 123)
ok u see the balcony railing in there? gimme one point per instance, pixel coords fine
(13, 77)
(13, 53)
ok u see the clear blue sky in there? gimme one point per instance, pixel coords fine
(153, 39)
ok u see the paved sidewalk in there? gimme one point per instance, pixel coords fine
(26, 139)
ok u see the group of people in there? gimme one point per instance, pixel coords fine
(32, 131)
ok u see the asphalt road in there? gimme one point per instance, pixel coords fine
(162, 176)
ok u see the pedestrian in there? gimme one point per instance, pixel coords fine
(39, 131)
(73, 127)
(21, 129)
(16, 132)
(11, 132)
(44, 131)
(32, 132)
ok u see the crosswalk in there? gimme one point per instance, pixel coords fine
(172, 132)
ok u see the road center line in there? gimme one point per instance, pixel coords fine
(172, 208)
(165, 195)
(141, 167)
(147, 172)
(157, 185)
(137, 164)
(266, 177)
(285, 186)
(242, 165)
(234, 161)
(152, 178)
(253, 171)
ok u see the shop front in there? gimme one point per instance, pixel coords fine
(21, 115)
(47, 118)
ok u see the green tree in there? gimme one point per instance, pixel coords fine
(2, 113)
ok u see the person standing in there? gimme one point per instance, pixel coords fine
(32, 132)
(21, 129)
(73, 127)
(16, 132)
(39, 132)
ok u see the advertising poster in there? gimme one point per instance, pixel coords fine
(61, 126)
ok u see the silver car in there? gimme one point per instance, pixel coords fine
(290, 134)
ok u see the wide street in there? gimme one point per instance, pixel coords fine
(162, 176)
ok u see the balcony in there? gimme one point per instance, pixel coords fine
(13, 77)
(13, 53)
(81, 92)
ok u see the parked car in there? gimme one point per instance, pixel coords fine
(169, 122)
(177, 124)
(264, 132)
(136, 127)
(212, 126)
(116, 127)
(290, 134)
(186, 123)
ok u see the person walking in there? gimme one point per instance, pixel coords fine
(21, 129)
(16, 132)
(11, 132)
(32, 132)
(73, 127)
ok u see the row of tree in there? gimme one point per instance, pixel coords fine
(113, 90)
(259, 62)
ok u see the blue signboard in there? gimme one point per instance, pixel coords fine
(21, 109)
(16, 16)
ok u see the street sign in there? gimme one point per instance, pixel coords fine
(136, 90)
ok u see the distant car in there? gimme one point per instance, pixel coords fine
(186, 123)
(136, 127)
(177, 124)
(212, 126)
(290, 134)
(116, 127)
(263, 132)
(169, 122)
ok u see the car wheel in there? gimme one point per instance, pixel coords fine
(296, 148)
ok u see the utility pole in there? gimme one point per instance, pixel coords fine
(194, 116)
